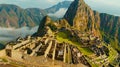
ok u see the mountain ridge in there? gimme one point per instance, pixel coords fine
(17, 17)
(81, 17)
(66, 40)
(33, 15)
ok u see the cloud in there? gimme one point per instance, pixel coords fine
(60, 13)
(8, 34)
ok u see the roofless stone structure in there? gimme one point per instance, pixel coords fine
(47, 47)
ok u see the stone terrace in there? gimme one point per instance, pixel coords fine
(48, 47)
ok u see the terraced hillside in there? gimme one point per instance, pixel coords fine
(60, 43)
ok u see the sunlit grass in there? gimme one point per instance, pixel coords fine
(62, 37)
(112, 54)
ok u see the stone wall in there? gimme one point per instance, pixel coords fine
(47, 47)
(17, 55)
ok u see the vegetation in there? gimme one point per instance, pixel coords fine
(111, 40)
(4, 60)
(62, 37)
(2, 46)
(52, 26)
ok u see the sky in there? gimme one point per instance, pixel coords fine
(103, 6)
(47, 3)
(32, 3)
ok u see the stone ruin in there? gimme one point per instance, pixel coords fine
(89, 40)
(46, 46)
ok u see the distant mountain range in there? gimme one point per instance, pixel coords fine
(55, 8)
(14, 16)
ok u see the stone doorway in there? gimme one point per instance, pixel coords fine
(8, 52)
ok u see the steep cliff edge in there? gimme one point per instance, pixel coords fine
(82, 17)
(110, 27)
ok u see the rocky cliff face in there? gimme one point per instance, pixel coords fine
(82, 17)
(44, 27)
(110, 24)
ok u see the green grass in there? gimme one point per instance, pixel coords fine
(92, 64)
(113, 41)
(63, 34)
(112, 54)
(4, 60)
(62, 37)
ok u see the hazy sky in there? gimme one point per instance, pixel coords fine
(106, 6)
(32, 3)
(47, 3)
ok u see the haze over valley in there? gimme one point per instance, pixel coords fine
(59, 33)
(58, 11)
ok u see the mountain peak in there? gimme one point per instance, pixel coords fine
(77, 6)
(79, 1)
(43, 28)
(45, 21)
(81, 16)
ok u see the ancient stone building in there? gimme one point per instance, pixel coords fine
(47, 47)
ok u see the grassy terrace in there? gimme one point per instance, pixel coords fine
(113, 54)
(62, 37)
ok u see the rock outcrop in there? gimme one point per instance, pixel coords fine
(44, 27)
(82, 17)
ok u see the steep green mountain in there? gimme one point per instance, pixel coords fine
(81, 17)
(14, 16)
(87, 19)
(110, 25)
